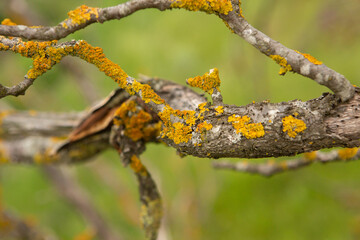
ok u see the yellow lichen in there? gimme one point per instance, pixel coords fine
(207, 82)
(46, 54)
(240, 9)
(310, 155)
(180, 133)
(204, 126)
(285, 67)
(147, 94)
(219, 110)
(82, 14)
(249, 130)
(347, 153)
(43, 54)
(208, 6)
(137, 166)
(293, 126)
(310, 58)
(135, 121)
(8, 22)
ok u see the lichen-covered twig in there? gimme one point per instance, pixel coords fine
(228, 10)
(272, 167)
(151, 203)
(80, 18)
(130, 144)
(76, 196)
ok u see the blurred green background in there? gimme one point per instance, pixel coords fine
(319, 202)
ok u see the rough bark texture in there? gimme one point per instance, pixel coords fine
(329, 123)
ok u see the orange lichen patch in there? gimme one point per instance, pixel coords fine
(137, 166)
(82, 14)
(135, 121)
(310, 155)
(189, 117)
(310, 58)
(293, 126)
(95, 55)
(285, 67)
(179, 133)
(202, 110)
(208, 6)
(8, 22)
(204, 126)
(3, 47)
(219, 110)
(347, 153)
(151, 131)
(249, 130)
(88, 234)
(147, 94)
(43, 54)
(207, 82)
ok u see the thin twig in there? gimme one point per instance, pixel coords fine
(68, 26)
(289, 59)
(271, 167)
(18, 89)
(75, 195)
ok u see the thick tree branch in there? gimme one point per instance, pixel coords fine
(328, 124)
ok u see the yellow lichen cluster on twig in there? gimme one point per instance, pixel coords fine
(293, 126)
(208, 6)
(347, 153)
(310, 58)
(80, 15)
(310, 155)
(285, 67)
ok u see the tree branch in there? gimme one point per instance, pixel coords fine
(76, 196)
(18, 89)
(272, 168)
(328, 124)
(81, 18)
(288, 59)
